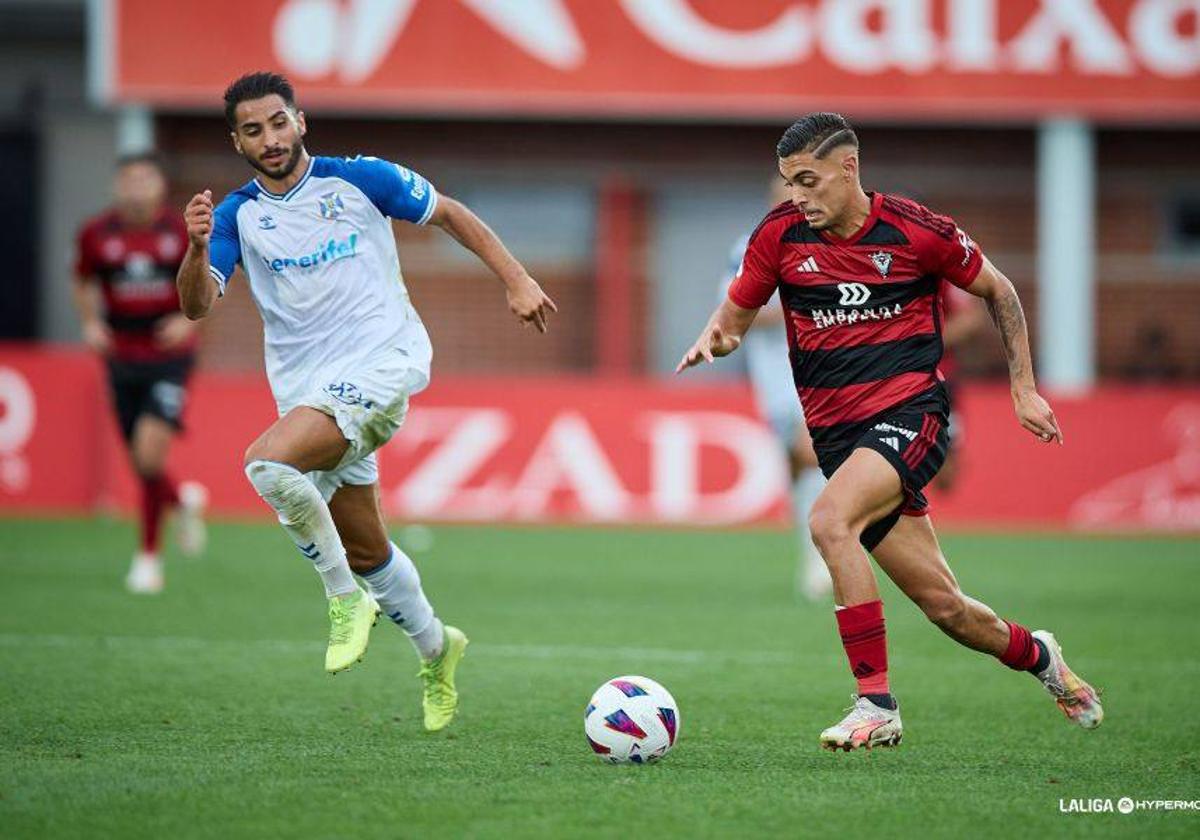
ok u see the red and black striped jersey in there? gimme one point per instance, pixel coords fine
(135, 267)
(863, 313)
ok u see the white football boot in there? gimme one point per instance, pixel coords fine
(190, 532)
(1078, 700)
(866, 725)
(145, 575)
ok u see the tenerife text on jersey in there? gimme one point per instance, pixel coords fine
(330, 251)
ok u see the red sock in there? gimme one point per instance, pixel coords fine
(865, 640)
(158, 493)
(1022, 653)
(169, 490)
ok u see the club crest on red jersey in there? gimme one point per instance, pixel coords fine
(883, 262)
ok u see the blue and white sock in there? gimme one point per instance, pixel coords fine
(396, 586)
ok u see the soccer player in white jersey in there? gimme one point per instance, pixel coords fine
(345, 350)
(770, 372)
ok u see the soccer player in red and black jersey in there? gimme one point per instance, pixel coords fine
(860, 276)
(125, 293)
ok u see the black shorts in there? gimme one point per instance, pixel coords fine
(914, 437)
(154, 388)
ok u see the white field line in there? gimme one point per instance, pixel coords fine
(805, 655)
(567, 652)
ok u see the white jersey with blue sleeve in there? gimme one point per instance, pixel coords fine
(324, 272)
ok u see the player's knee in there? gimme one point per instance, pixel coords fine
(254, 452)
(147, 469)
(828, 525)
(947, 609)
(283, 487)
(147, 461)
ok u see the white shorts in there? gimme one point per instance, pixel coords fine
(368, 406)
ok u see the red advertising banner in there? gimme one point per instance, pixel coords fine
(691, 58)
(605, 451)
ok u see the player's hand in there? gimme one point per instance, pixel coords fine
(198, 216)
(1035, 414)
(530, 304)
(173, 331)
(712, 344)
(97, 336)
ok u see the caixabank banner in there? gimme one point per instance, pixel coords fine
(584, 450)
(718, 59)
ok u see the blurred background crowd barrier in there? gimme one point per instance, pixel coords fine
(620, 148)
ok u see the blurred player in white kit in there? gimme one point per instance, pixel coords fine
(770, 373)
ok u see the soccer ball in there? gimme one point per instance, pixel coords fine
(631, 719)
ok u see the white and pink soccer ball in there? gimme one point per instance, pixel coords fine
(631, 719)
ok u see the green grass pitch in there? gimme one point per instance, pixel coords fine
(205, 712)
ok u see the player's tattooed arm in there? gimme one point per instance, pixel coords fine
(721, 335)
(526, 299)
(1008, 316)
(997, 291)
(197, 291)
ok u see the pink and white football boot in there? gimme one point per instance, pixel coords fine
(866, 725)
(1078, 700)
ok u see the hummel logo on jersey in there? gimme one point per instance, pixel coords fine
(893, 442)
(266, 222)
(883, 262)
(808, 266)
(853, 294)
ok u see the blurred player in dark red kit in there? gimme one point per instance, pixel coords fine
(861, 277)
(125, 293)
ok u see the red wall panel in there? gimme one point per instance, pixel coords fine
(605, 450)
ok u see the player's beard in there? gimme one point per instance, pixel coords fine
(289, 165)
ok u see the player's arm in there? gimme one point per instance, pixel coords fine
(998, 293)
(197, 290)
(720, 336)
(86, 294)
(96, 333)
(526, 299)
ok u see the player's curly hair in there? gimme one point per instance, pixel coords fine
(819, 133)
(256, 86)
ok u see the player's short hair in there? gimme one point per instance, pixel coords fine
(819, 133)
(148, 156)
(256, 86)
